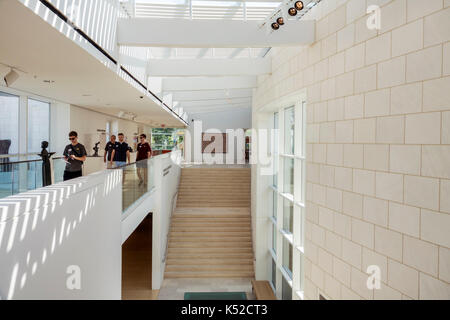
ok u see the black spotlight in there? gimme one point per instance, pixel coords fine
(280, 21)
(275, 26)
(299, 5)
(292, 12)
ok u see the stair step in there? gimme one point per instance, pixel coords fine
(214, 205)
(203, 244)
(214, 219)
(209, 239)
(207, 234)
(209, 261)
(206, 255)
(210, 224)
(202, 229)
(205, 250)
(204, 274)
(196, 268)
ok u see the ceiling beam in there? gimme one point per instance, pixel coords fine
(208, 67)
(208, 103)
(152, 32)
(217, 109)
(208, 83)
(211, 94)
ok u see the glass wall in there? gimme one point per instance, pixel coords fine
(9, 124)
(38, 124)
(289, 188)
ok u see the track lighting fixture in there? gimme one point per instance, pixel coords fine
(292, 12)
(280, 21)
(299, 5)
(275, 26)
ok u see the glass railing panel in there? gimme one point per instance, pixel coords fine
(6, 179)
(59, 165)
(137, 180)
(18, 177)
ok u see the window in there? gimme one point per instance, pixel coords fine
(38, 124)
(274, 238)
(274, 205)
(288, 216)
(288, 177)
(9, 123)
(289, 130)
(275, 149)
(290, 159)
(286, 290)
(274, 274)
(287, 256)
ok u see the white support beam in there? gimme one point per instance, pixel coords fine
(208, 67)
(182, 96)
(187, 33)
(211, 103)
(216, 109)
(208, 83)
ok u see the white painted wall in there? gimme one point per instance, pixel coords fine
(167, 178)
(87, 122)
(59, 126)
(220, 121)
(378, 144)
(45, 231)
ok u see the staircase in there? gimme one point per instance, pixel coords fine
(215, 187)
(210, 235)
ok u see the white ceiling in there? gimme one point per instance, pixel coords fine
(34, 46)
(188, 73)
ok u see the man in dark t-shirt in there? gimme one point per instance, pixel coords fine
(121, 153)
(109, 148)
(144, 152)
(74, 154)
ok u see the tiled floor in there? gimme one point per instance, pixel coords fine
(174, 289)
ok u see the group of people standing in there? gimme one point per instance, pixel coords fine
(117, 154)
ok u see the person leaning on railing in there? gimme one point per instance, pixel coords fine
(144, 152)
(74, 154)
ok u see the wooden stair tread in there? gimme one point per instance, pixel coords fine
(263, 290)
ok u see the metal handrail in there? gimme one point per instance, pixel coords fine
(17, 162)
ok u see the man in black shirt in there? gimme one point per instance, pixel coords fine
(121, 153)
(74, 155)
(110, 147)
